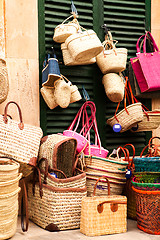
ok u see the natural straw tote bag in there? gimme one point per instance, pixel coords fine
(112, 60)
(19, 141)
(8, 214)
(64, 30)
(70, 61)
(130, 115)
(84, 45)
(9, 169)
(102, 215)
(4, 82)
(114, 86)
(59, 206)
(48, 96)
(60, 152)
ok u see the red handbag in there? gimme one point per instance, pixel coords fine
(146, 66)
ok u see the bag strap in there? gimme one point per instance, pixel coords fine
(108, 184)
(24, 201)
(155, 47)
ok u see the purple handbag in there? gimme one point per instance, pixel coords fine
(146, 66)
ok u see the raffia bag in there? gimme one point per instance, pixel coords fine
(60, 206)
(70, 61)
(8, 214)
(102, 215)
(64, 30)
(19, 141)
(48, 96)
(9, 169)
(114, 87)
(4, 82)
(60, 152)
(84, 45)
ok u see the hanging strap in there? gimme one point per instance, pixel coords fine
(24, 205)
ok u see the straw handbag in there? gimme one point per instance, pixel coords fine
(19, 141)
(64, 30)
(84, 45)
(48, 96)
(130, 115)
(60, 152)
(112, 60)
(4, 82)
(59, 206)
(114, 86)
(70, 61)
(102, 215)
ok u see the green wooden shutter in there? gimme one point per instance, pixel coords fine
(126, 20)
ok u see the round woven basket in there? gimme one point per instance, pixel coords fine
(4, 82)
(48, 96)
(84, 45)
(75, 94)
(70, 61)
(114, 87)
(112, 61)
(128, 120)
(8, 169)
(63, 31)
(10, 186)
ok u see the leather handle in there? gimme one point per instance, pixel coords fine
(24, 201)
(108, 183)
(113, 206)
(5, 119)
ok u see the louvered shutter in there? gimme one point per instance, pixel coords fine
(126, 20)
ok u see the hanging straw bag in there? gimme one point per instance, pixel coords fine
(4, 82)
(64, 30)
(59, 206)
(102, 215)
(19, 141)
(84, 45)
(112, 59)
(114, 86)
(70, 61)
(48, 96)
(130, 115)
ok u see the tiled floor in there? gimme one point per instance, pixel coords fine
(37, 233)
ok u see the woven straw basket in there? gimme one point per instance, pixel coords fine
(112, 61)
(62, 93)
(128, 120)
(60, 206)
(102, 215)
(84, 45)
(10, 186)
(8, 214)
(48, 96)
(4, 82)
(70, 61)
(60, 152)
(148, 123)
(114, 87)
(8, 169)
(63, 31)
(75, 94)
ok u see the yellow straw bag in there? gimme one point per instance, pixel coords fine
(113, 59)
(114, 86)
(9, 169)
(102, 215)
(64, 30)
(84, 45)
(70, 61)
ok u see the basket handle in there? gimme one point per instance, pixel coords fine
(108, 183)
(113, 206)
(24, 200)
(5, 119)
(150, 147)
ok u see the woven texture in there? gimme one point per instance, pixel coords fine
(128, 120)
(4, 82)
(147, 164)
(48, 96)
(136, 182)
(147, 209)
(112, 61)
(114, 87)
(84, 45)
(8, 214)
(75, 94)
(8, 169)
(59, 151)
(107, 222)
(60, 206)
(62, 93)
(10, 186)
(70, 61)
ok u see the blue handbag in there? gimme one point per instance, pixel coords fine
(51, 71)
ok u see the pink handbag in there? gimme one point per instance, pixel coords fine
(82, 141)
(146, 66)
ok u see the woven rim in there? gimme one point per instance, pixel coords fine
(145, 191)
(8, 195)
(108, 160)
(8, 165)
(79, 35)
(11, 181)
